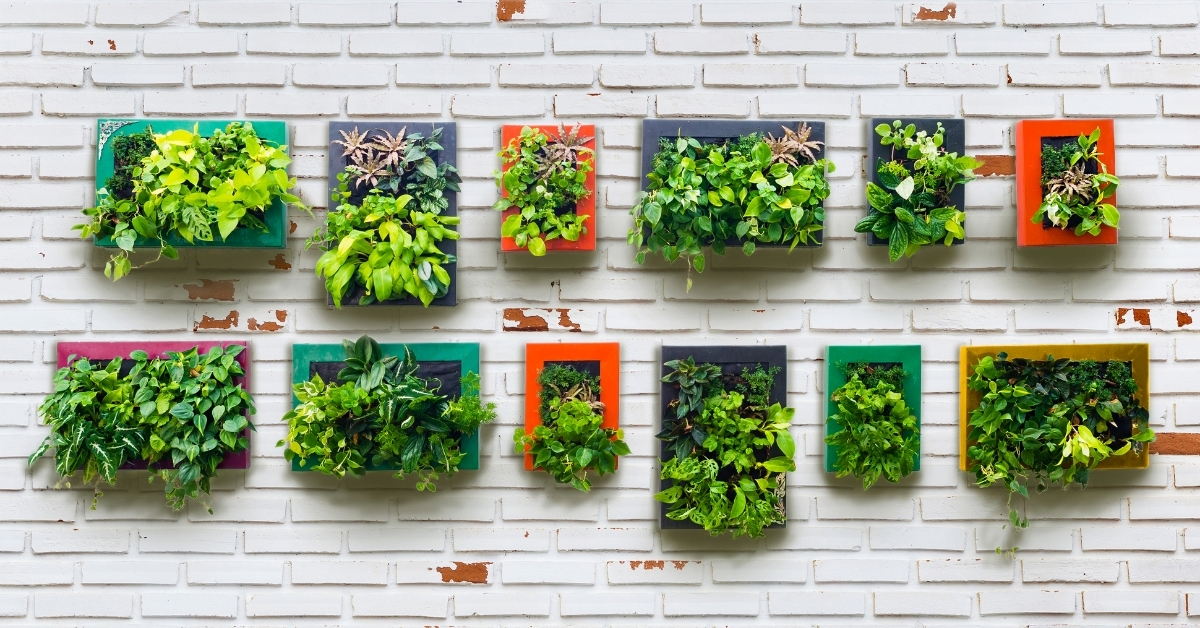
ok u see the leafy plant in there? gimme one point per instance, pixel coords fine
(128, 153)
(385, 415)
(1071, 196)
(570, 441)
(878, 436)
(749, 190)
(546, 178)
(187, 186)
(387, 243)
(911, 207)
(181, 414)
(731, 453)
(1050, 421)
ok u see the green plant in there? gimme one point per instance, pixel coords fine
(911, 207)
(731, 452)
(750, 190)
(1070, 194)
(1050, 421)
(382, 414)
(182, 411)
(187, 186)
(570, 441)
(545, 179)
(878, 436)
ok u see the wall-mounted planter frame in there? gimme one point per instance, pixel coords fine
(448, 155)
(731, 358)
(1031, 135)
(447, 361)
(907, 356)
(955, 142)
(275, 216)
(720, 130)
(106, 351)
(1138, 355)
(585, 207)
(602, 359)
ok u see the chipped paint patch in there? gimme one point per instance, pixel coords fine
(254, 324)
(506, 9)
(1133, 318)
(210, 290)
(279, 262)
(647, 565)
(212, 323)
(1176, 444)
(927, 14)
(464, 573)
(996, 165)
(550, 319)
(262, 321)
(1157, 319)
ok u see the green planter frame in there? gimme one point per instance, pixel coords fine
(908, 356)
(275, 216)
(465, 353)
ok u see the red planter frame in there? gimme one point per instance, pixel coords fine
(109, 350)
(1029, 179)
(608, 354)
(585, 206)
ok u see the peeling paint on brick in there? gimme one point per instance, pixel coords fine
(927, 14)
(506, 9)
(1183, 319)
(280, 263)
(253, 324)
(1176, 444)
(460, 572)
(208, 322)
(210, 290)
(548, 319)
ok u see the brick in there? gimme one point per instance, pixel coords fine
(186, 540)
(217, 605)
(605, 539)
(545, 75)
(1051, 319)
(907, 105)
(959, 319)
(1026, 603)
(285, 43)
(267, 103)
(1163, 508)
(103, 44)
(293, 604)
(953, 75)
(918, 538)
(1070, 570)
(847, 13)
(924, 604)
(994, 569)
(677, 604)
(655, 572)
(99, 541)
(1049, 14)
(497, 44)
(501, 605)
(855, 75)
(638, 14)
(707, 43)
(16, 104)
(435, 74)
(1058, 75)
(345, 14)
(824, 603)
(1025, 44)
(935, 14)
(41, 14)
(130, 572)
(1144, 602)
(50, 605)
(238, 74)
(496, 106)
(340, 572)
(638, 76)
(120, 74)
(501, 540)
(1166, 74)
(547, 12)
(816, 105)
(439, 13)
(1149, 14)
(439, 572)
(601, 42)
(189, 103)
(911, 44)
(729, 13)
(407, 604)
(139, 14)
(36, 574)
(771, 571)
(548, 572)
(1146, 570)
(1105, 44)
(600, 604)
(856, 319)
(833, 570)
(750, 75)
(600, 105)
(245, 13)
(813, 43)
(14, 605)
(69, 104)
(413, 44)
(1178, 45)
(41, 75)
(672, 319)
(242, 572)
(339, 75)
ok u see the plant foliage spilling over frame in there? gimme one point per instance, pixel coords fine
(187, 185)
(731, 449)
(570, 441)
(879, 435)
(382, 413)
(1050, 421)
(388, 243)
(750, 190)
(183, 410)
(911, 206)
(546, 177)
(1073, 197)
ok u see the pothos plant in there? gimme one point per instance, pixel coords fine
(1049, 421)
(383, 414)
(911, 206)
(730, 449)
(571, 441)
(546, 177)
(388, 243)
(1072, 196)
(750, 190)
(180, 414)
(190, 186)
(878, 436)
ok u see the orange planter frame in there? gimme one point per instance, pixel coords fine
(608, 354)
(585, 207)
(1029, 179)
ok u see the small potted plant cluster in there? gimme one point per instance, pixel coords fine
(916, 195)
(873, 427)
(391, 235)
(547, 186)
(717, 184)
(179, 410)
(1050, 414)
(177, 183)
(726, 448)
(1066, 192)
(412, 409)
(572, 427)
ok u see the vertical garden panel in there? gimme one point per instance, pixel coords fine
(907, 356)
(601, 359)
(1031, 137)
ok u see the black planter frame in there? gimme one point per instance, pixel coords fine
(955, 142)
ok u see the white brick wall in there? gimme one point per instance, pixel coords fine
(500, 546)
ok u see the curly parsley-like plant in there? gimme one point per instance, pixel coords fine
(1071, 196)
(878, 436)
(545, 179)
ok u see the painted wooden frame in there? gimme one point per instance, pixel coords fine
(608, 354)
(585, 207)
(1029, 137)
(907, 356)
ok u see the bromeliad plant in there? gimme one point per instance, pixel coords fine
(186, 185)
(751, 190)
(878, 438)
(180, 414)
(570, 441)
(1050, 421)
(546, 177)
(730, 449)
(911, 206)
(384, 415)
(1072, 196)
(387, 244)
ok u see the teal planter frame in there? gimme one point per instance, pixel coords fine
(908, 356)
(466, 353)
(275, 216)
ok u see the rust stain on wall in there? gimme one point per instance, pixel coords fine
(926, 13)
(996, 165)
(208, 289)
(1176, 444)
(470, 573)
(208, 322)
(506, 9)
(112, 45)
(280, 263)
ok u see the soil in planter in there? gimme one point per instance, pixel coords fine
(1091, 167)
(446, 372)
(128, 152)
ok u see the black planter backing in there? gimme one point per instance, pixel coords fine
(731, 359)
(717, 131)
(955, 142)
(448, 155)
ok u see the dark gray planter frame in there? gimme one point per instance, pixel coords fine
(955, 142)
